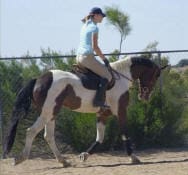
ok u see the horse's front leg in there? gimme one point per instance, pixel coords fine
(122, 118)
(128, 147)
(101, 121)
(126, 139)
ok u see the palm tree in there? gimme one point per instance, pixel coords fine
(120, 20)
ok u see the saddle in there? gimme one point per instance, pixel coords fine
(89, 79)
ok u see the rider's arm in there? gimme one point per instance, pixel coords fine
(96, 47)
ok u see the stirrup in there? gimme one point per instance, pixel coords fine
(104, 107)
(101, 106)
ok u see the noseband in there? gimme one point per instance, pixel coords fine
(145, 89)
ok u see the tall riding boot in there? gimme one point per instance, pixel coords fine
(99, 100)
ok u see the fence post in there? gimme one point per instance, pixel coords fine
(1, 121)
(160, 83)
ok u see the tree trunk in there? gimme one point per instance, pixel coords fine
(120, 45)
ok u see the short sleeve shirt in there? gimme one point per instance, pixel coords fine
(85, 45)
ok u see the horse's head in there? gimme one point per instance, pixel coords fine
(147, 73)
(147, 80)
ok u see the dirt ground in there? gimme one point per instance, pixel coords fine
(154, 162)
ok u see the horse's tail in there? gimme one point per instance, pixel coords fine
(20, 110)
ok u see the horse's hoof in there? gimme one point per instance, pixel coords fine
(18, 160)
(135, 159)
(64, 163)
(84, 156)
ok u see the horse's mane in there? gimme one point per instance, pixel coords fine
(141, 60)
(127, 62)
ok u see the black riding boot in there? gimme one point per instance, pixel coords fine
(99, 100)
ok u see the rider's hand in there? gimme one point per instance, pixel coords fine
(106, 62)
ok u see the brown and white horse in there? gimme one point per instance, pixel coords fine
(57, 88)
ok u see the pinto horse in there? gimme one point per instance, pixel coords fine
(57, 88)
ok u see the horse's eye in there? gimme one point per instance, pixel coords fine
(158, 75)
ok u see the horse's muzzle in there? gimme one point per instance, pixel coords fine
(144, 94)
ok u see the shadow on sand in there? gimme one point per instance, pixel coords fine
(129, 164)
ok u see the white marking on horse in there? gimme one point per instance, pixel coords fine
(100, 132)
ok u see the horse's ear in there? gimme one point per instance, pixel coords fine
(163, 67)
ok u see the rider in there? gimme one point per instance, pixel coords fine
(85, 53)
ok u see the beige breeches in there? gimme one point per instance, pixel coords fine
(90, 62)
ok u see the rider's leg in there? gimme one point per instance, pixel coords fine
(90, 62)
(100, 96)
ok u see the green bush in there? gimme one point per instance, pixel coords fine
(76, 129)
(159, 122)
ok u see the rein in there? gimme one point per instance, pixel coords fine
(118, 74)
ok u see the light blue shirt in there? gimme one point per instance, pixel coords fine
(85, 45)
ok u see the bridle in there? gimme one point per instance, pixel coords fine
(143, 89)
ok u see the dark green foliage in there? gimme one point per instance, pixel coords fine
(158, 123)
(76, 129)
(182, 63)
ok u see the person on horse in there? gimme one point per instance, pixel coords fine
(85, 54)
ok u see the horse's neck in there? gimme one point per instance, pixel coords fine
(123, 66)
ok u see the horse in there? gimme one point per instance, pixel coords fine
(57, 88)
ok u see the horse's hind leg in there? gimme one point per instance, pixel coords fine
(50, 138)
(30, 135)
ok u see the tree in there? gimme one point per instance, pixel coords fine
(120, 21)
(182, 63)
